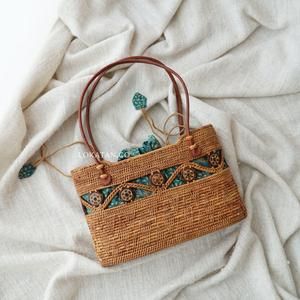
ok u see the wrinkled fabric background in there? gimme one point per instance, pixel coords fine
(241, 62)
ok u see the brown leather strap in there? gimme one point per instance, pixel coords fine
(175, 86)
(90, 94)
(88, 136)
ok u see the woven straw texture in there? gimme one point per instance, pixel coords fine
(86, 178)
(167, 217)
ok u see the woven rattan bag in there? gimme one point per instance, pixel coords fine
(166, 196)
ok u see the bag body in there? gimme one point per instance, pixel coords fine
(152, 201)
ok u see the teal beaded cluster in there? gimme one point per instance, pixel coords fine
(139, 101)
(26, 171)
(149, 145)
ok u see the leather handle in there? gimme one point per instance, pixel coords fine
(88, 136)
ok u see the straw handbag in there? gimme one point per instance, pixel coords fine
(165, 197)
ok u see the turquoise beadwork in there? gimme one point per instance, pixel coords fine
(26, 171)
(115, 201)
(139, 101)
(134, 152)
(88, 211)
(150, 144)
(123, 154)
(86, 197)
(142, 180)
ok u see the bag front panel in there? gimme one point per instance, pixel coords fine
(166, 219)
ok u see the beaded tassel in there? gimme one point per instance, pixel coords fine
(26, 171)
(139, 101)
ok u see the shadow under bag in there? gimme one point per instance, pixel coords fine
(167, 196)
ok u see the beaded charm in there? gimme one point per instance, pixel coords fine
(139, 101)
(26, 171)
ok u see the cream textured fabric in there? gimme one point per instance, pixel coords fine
(241, 62)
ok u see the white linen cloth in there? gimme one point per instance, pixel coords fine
(241, 62)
